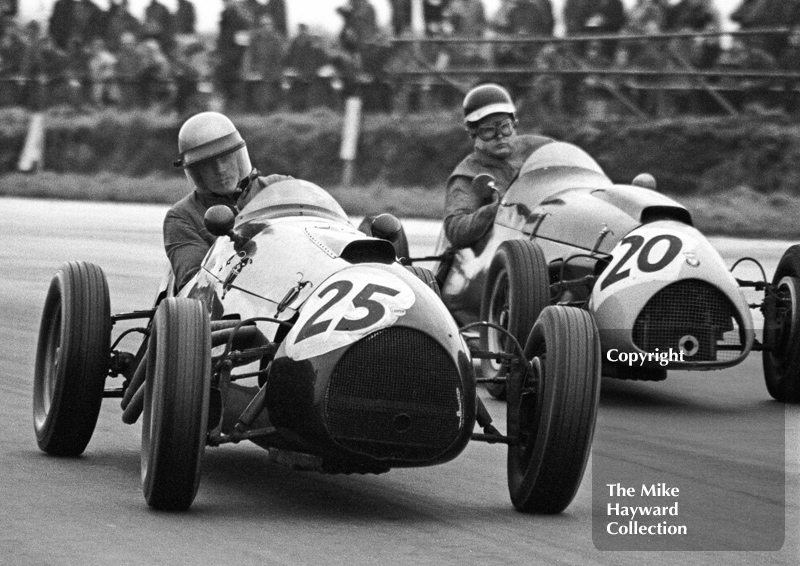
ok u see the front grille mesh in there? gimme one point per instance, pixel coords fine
(395, 394)
(690, 308)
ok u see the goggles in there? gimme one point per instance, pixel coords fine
(488, 132)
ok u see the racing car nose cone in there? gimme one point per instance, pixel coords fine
(402, 423)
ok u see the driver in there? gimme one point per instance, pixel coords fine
(489, 115)
(215, 159)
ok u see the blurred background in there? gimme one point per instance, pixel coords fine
(316, 13)
(704, 94)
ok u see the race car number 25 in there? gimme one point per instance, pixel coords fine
(647, 261)
(375, 309)
(348, 306)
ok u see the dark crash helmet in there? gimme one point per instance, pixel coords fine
(213, 154)
(487, 99)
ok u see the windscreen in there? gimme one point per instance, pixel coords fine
(560, 154)
(292, 198)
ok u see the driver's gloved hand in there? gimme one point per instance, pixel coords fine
(257, 184)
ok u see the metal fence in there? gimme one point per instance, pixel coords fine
(582, 75)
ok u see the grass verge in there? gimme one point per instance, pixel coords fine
(738, 212)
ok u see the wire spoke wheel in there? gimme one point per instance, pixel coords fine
(498, 314)
(517, 289)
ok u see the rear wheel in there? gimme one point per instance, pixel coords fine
(426, 275)
(517, 289)
(782, 364)
(72, 359)
(176, 401)
(552, 410)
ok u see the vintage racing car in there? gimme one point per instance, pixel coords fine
(660, 294)
(357, 365)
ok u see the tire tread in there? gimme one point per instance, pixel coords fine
(81, 291)
(564, 436)
(176, 404)
(785, 387)
(529, 293)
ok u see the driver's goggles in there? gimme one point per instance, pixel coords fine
(488, 132)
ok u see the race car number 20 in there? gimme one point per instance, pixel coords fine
(645, 262)
(348, 306)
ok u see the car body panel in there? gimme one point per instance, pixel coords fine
(681, 253)
(369, 342)
(584, 224)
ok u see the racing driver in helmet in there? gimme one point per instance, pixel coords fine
(490, 118)
(214, 158)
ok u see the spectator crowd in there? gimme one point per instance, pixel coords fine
(86, 56)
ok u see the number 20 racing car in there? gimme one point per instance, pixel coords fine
(359, 367)
(658, 291)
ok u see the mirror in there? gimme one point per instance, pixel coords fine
(219, 220)
(386, 227)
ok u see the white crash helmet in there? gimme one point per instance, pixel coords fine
(213, 153)
(487, 99)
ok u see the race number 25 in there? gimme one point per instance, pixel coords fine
(340, 290)
(644, 262)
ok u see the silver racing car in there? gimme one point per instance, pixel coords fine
(660, 294)
(309, 338)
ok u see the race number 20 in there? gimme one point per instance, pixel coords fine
(644, 262)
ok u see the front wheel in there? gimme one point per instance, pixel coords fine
(72, 359)
(782, 363)
(552, 410)
(176, 400)
(517, 289)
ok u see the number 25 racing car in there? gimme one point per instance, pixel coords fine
(660, 294)
(359, 367)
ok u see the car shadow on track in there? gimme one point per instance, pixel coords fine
(243, 483)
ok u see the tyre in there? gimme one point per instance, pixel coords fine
(517, 289)
(782, 364)
(176, 401)
(72, 359)
(426, 275)
(552, 410)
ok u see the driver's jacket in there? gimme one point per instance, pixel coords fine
(186, 239)
(468, 211)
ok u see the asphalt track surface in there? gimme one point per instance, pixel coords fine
(717, 436)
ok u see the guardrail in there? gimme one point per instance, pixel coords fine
(423, 72)
(679, 76)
